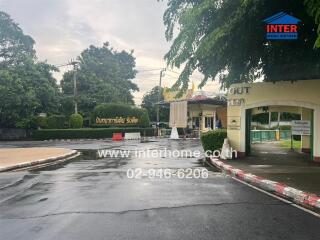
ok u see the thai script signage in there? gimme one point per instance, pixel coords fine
(236, 102)
(117, 120)
(301, 128)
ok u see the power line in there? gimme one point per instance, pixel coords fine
(147, 74)
(148, 70)
(153, 80)
(194, 78)
(191, 78)
(74, 64)
(62, 65)
(173, 71)
(171, 76)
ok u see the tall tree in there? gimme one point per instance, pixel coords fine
(226, 39)
(313, 8)
(27, 87)
(104, 76)
(27, 90)
(149, 101)
(15, 46)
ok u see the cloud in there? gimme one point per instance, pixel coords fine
(63, 28)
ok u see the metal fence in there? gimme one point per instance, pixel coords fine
(269, 135)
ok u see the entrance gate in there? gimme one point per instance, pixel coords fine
(270, 135)
(300, 95)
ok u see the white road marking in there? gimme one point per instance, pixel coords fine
(279, 198)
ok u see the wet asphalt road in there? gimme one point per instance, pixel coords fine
(91, 198)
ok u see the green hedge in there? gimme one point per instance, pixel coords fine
(46, 134)
(113, 110)
(42, 122)
(114, 126)
(213, 140)
(56, 121)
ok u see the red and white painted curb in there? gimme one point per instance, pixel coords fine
(298, 196)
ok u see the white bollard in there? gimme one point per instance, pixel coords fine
(226, 152)
(174, 133)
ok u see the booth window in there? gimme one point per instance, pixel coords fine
(209, 122)
(195, 122)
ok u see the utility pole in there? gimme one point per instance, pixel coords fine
(74, 64)
(158, 106)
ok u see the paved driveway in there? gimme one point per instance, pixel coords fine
(92, 198)
(271, 161)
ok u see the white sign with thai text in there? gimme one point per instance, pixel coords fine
(301, 127)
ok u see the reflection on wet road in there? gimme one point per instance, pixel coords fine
(90, 197)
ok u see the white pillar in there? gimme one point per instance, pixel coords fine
(202, 123)
(269, 118)
(242, 131)
(316, 134)
(305, 140)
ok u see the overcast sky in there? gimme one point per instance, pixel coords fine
(63, 28)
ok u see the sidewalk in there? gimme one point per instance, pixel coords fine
(16, 158)
(272, 162)
(291, 174)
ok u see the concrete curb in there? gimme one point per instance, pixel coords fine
(81, 140)
(73, 153)
(305, 199)
(76, 140)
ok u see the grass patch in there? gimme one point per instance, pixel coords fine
(287, 144)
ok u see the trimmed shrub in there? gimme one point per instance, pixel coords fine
(144, 120)
(42, 122)
(88, 133)
(76, 121)
(213, 140)
(110, 110)
(56, 121)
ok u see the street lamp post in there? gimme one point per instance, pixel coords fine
(158, 106)
(74, 64)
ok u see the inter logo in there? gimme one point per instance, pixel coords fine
(282, 26)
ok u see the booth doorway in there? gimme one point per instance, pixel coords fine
(275, 136)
